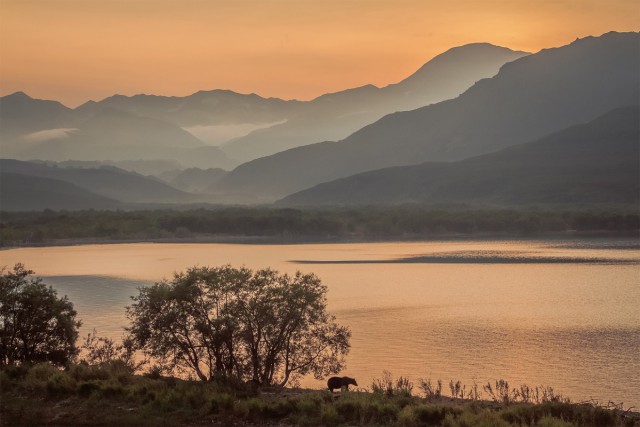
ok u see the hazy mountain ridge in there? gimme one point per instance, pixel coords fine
(336, 115)
(106, 181)
(270, 124)
(20, 114)
(143, 167)
(108, 134)
(201, 108)
(593, 163)
(529, 98)
(19, 192)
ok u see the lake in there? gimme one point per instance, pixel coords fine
(542, 312)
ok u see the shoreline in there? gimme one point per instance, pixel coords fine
(308, 240)
(126, 399)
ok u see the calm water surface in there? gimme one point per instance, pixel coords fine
(565, 314)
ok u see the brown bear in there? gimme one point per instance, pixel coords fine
(339, 382)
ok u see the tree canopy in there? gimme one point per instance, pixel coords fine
(237, 323)
(35, 324)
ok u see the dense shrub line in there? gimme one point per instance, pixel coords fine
(108, 394)
(285, 223)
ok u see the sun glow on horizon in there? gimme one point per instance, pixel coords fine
(74, 51)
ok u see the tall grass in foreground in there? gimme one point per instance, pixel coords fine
(108, 394)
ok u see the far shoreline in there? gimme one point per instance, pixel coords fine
(319, 240)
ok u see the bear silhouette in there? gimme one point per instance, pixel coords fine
(339, 382)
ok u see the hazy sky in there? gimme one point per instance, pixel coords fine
(75, 50)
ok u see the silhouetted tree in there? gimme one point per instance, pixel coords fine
(231, 322)
(35, 325)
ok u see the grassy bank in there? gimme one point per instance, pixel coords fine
(109, 395)
(300, 225)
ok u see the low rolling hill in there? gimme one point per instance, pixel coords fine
(106, 181)
(25, 193)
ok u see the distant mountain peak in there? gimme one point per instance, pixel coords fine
(17, 95)
(480, 48)
(478, 45)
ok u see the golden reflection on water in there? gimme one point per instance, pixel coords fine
(537, 312)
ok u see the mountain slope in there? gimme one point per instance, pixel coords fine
(336, 115)
(529, 98)
(593, 163)
(24, 193)
(21, 115)
(106, 181)
(193, 180)
(114, 135)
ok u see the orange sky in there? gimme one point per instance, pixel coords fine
(75, 50)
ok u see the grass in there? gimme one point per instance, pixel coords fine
(104, 395)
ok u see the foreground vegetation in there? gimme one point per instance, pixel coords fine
(398, 222)
(243, 335)
(108, 394)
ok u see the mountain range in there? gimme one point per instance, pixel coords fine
(591, 164)
(516, 129)
(337, 115)
(189, 129)
(529, 98)
(109, 135)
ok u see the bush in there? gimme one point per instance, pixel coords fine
(308, 406)
(329, 416)
(61, 383)
(388, 413)
(221, 402)
(390, 387)
(522, 414)
(37, 326)
(429, 415)
(348, 410)
(553, 422)
(40, 373)
(86, 389)
(482, 419)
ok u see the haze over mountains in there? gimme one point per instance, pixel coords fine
(109, 182)
(108, 134)
(593, 163)
(542, 99)
(529, 98)
(149, 127)
(336, 115)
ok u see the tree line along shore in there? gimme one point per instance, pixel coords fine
(256, 224)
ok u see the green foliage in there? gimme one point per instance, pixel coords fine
(429, 415)
(329, 416)
(221, 402)
(481, 419)
(60, 384)
(551, 422)
(235, 324)
(35, 324)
